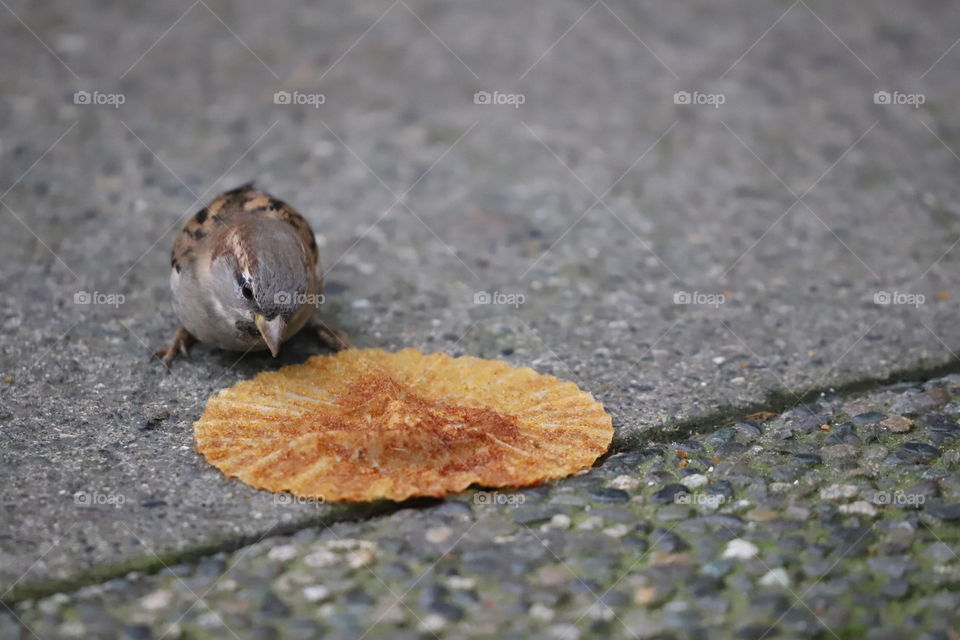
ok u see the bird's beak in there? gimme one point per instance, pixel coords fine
(272, 331)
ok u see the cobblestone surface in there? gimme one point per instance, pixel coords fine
(834, 519)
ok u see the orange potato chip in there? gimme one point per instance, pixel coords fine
(365, 424)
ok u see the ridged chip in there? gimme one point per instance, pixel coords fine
(365, 424)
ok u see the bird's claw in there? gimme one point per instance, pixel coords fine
(180, 344)
(335, 339)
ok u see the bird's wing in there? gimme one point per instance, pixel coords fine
(223, 207)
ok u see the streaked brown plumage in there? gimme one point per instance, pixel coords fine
(224, 209)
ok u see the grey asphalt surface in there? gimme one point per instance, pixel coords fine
(603, 200)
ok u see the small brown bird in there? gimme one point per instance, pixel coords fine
(246, 276)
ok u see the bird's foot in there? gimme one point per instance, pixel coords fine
(333, 338)
(180, 344)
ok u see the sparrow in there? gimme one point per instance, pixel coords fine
(245, 275)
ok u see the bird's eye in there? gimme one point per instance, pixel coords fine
(245, 289)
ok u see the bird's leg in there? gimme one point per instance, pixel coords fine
(180, 344)
(333, 338)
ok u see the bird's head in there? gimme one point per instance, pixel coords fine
(259, 278)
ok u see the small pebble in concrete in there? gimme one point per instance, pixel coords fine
(316, 593)
(897, 424)
(694, 481)
(775, 578)
(860, 507)
(839, 492)
(738, 549)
